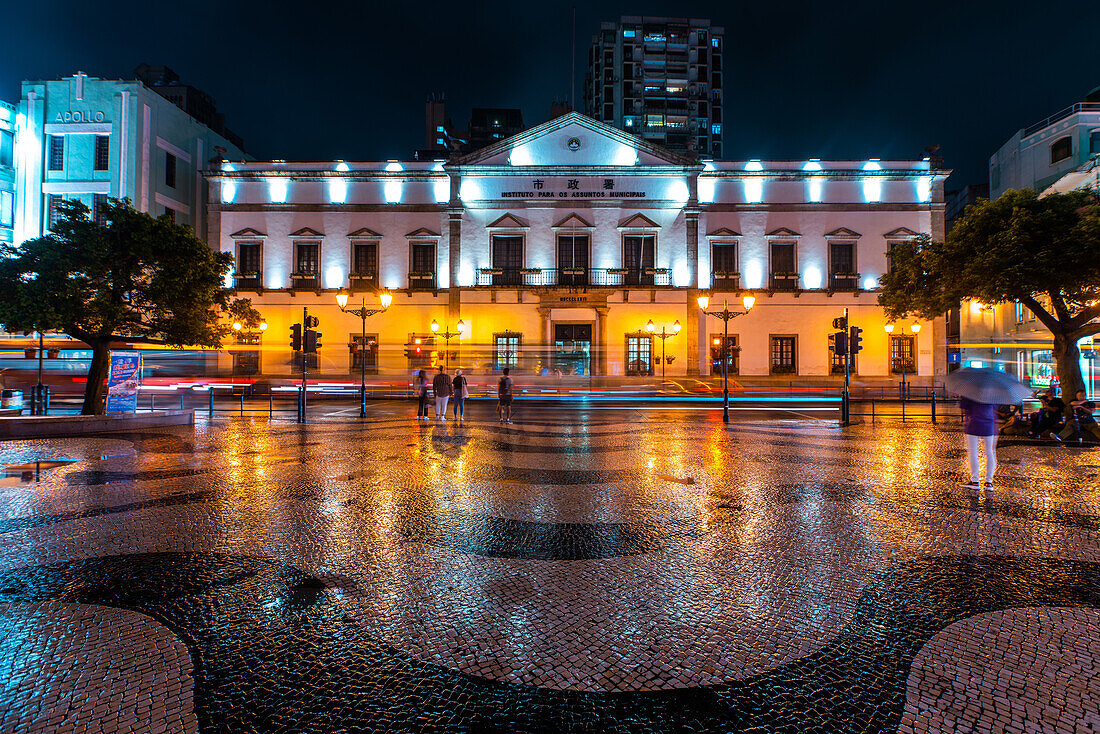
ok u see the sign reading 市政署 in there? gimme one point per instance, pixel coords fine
(572, 188)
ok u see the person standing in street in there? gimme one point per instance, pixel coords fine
(441, 388)
(421, 385)
(980, 427)
(504, 397)
(461, 392)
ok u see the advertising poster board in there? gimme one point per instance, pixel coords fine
(123, 379)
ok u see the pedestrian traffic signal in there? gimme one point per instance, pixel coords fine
(855, 341)
(838, 342)
(296, 337)
(312, 341)
(840, 323)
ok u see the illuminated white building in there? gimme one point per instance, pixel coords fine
(88, 139)
(556, 247)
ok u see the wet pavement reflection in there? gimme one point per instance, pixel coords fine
(588, 571)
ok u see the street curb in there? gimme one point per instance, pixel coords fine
(70, 425)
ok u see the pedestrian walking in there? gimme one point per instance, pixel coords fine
(461, 392)
(980, 391)
(441, 388)
(980, 427)
(421, 385)
(504, 397)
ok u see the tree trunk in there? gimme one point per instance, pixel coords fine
(97, 373)
(1067, 355)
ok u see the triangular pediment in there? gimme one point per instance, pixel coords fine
(307, 232)
(508, 221)
(573, 140)
(842, 232)
(247, 232)
(422, 232)
(364, 232)
(783, 232)
(638, 221)
(724, 232)
(901, 232)
(573, 221)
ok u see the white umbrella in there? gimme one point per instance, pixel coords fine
(986, 386)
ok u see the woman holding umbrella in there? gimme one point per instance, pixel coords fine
(980, 391)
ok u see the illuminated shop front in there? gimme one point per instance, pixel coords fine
(556, 247)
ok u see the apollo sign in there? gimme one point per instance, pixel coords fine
(79, 116)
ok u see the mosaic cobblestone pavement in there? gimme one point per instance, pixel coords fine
(577, 571)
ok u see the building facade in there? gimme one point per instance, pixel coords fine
(86, 138)
(556, 247)
(1057, 154)
(1040, 154)
(660, 79)
(7, 173)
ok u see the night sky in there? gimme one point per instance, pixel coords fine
(802, 79)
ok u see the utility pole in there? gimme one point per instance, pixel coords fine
(845, 405)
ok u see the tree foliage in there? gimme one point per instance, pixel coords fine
(1042, 252)
(133, 279)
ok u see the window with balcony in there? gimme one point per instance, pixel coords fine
(783, 355)
(639, 257)
(784, 268)
(842, 266)
(507, 260)
(364, 266)
(307, 269)
(248, 274)
(422, 268)
(724, 271)
(573, 259)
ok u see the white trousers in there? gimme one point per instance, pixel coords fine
(441, 406)
(989, 444)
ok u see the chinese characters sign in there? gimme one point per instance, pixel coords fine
(573, 188)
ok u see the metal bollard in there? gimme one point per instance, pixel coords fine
(242, 403)
(933, 406)
(902, 411)
(872, 410)
(183, 397)
(210, 391)
(270, 401)
(152, 402)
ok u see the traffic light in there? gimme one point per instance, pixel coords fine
(312, 322)
(312, 341)
(855, 341)
(840, 323)
(838, 342)
(296, 337)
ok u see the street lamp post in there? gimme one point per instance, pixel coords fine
(447, 336)
(726, 315)
(385, 298)
(652, 329)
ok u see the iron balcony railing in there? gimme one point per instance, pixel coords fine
(305, 282)
(1061, 115)
(784, 282)
(536, 277)
(843, 281)
(248, 282)
(363, 281)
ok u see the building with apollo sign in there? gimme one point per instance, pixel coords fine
(552, 251)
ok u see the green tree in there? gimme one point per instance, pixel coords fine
(242, 311)
(1044, 253)
(133, 279)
